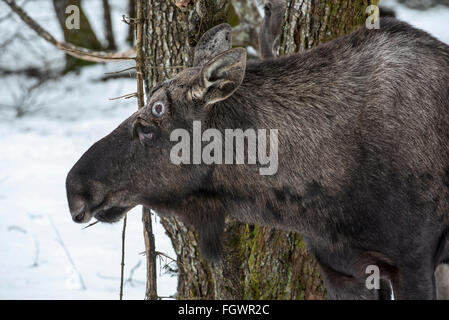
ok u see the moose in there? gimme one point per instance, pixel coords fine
(363, 172)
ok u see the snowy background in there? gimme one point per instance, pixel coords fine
(43, 254)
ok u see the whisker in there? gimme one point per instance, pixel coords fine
(90, 225)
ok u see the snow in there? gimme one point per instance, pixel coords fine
(43, 254)
(434, 20)
(36, 154)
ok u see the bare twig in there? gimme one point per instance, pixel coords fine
(122, 270)
(139, 54)
(75, 51)
(125, 21)
(120, 71)
(126, 96)
(129, 21)
(165, 261)
(90, 225)
(158, 253)
(164, 255)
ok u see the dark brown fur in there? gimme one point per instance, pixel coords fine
(363, 156)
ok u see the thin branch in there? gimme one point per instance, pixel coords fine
(139, 54)
(158, 253)
(75, 51)
(90, 225)
(120, 71)
(125, 21)
(122, 270)
(164, 255)
(157, 67)
(130, 21)
(126, 96)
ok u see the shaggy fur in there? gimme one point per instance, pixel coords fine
(363, 156)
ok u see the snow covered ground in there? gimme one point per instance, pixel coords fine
(43, 254)
(36, 154)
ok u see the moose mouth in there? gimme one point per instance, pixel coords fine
(112, 214)
(108, 214)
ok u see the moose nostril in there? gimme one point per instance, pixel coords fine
(79, 217)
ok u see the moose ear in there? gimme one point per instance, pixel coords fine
(221, 76)
(213, 41)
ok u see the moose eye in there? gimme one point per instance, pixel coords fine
(158, 109)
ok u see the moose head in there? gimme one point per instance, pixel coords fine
(131, 165)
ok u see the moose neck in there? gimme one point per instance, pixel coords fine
(305, 98)
(275, 92)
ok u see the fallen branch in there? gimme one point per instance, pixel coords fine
(70, 49)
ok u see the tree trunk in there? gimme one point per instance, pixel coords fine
(322, 22)
(131, 15)
(258, 263)
(166, 45)
(108, 26)
(83, 37)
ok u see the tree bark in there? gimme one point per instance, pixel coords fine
(311, 22)
(166, 45)
(150, 253)
(131, 15)
(108, 26)
(258, 262)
